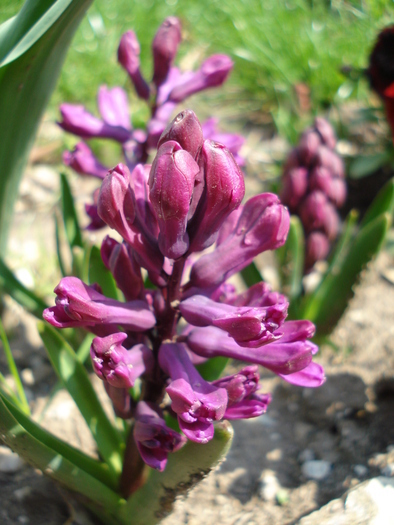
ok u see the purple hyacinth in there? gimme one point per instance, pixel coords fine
(313, 187)
(167, 214)
(168, 87)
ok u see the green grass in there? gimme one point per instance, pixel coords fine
(275, 44)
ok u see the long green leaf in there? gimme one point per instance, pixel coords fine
(382, 203)
(184, 469)
(98, 273)
(71, 224)
(81, 460)
(19, 33)
(20, 293)
(76, 380)
(55, 465)
(14, 371)
(291, 257)
(26, 84)
(331, 298)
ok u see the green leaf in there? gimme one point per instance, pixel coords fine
(26, 84)
(99, 273)
(150, 504)
(251, 275)
(71, 224)
(366, 165)
(90, 465)
(59, 244)
(331, 298)
(25, 297)
(211, 369)
(14, 371)
(291, 259)
(382, 203)
(40, 455)
(76, 380)
(19, 33)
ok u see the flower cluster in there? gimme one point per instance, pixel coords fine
(189, 200)
(381, 71)
(313, 187)
(169, 86)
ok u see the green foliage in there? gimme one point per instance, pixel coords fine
(37, 40)
(76, 380)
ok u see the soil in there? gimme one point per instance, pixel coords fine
(347, 423)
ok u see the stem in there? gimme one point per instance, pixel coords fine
(134, 471)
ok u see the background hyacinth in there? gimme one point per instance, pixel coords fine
(313, 187)
(168, 87)
(188, 200)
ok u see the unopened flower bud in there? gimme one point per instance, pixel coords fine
(212, 73)
(224, 189)
(129, 58)
(75, 119)
(82, 160)
(326, 132)
(307, 148)
(294, 187)
(123, 267)
(317, 247)
(186, 130)
(171, 184)
(164, 48)
(262, 225)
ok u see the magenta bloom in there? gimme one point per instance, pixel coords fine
(179, 311)
(153, 438)
(244, 401)
(196, 402)
(113, 363)
(78, 304)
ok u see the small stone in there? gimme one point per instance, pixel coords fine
(360, 470)
(275, 436)
(306, 455)
(274, 455)
(388, 470)
(9, 462)
(317, 469)
(22, 493)
(23, 519)
(27, 376)
(269, 486)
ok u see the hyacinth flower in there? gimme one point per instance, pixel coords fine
(158, 335)
(313, 187)
(168, 87)
(381, 73)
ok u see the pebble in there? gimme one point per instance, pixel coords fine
(369, 503)
(388, 470)
(9, 461)
(22, 493)
(269, 486)
(27, 376)
(360, 470)
(317, 469)
(306, 455)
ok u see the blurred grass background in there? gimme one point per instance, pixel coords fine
(283, 50)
